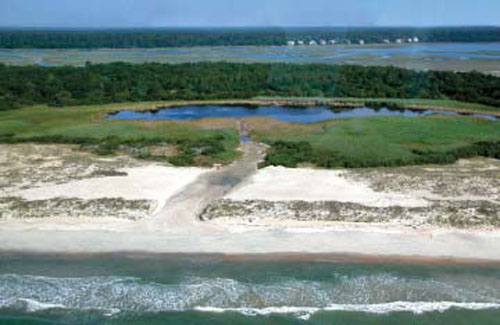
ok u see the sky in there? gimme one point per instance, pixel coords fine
(222, 13)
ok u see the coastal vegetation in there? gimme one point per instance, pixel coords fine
(383, 141)
(463, 57)
(395, 103)
(86, 127)
(356, 142)
(120, 82)
(183, 37)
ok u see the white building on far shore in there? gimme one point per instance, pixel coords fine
(322, 42)
(399, 41)
(313, 42)
(361, 42)
(416, 40)
(300, 42)
(386, 41)
(290, 43)
(332, 42)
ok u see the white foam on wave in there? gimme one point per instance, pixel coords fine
(379, 293)
(31, 305)
(414, 307)
(385, 308)
(111, 312)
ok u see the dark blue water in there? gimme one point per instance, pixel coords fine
(281, 113)
(125, 289)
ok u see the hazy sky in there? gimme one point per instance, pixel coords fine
(159, 13)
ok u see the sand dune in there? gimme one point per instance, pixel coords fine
(150, 182)
(304, 184)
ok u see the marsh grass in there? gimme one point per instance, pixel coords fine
(87, 127)
(384, 141)
(360, 142)
(435, 104)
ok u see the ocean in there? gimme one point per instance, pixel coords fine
(170, 289)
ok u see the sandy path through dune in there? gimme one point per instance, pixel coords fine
(180, 213)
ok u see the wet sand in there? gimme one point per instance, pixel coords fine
(378, 242)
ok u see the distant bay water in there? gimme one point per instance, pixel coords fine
(443, 56)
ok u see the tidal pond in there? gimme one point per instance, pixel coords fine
(280, 113)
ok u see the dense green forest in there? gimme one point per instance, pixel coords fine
(119, 82)
(170, 37)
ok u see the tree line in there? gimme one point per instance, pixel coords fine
(120, 82)
(177, 37)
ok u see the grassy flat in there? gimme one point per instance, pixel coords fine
(369, 141)
(264, 54)
(87, 125)
(383, 141)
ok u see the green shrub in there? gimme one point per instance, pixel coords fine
(183, 159)
(290, 154)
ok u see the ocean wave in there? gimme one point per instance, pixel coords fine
(370, 293)
(31, 305)
(305, 313)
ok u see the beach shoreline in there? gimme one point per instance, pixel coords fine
(366, 242)
(185, 193)
(320, 258)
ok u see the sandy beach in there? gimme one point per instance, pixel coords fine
(108, 236)
(169, 224)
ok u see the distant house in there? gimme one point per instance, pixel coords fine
(386, 41)
(348, 42)
(290, 43)
(416, 40)
(410, 40)
(332, 42)
(300, 42)
(322, 42)
(313, 42)
(399, 41)
(361, 42)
